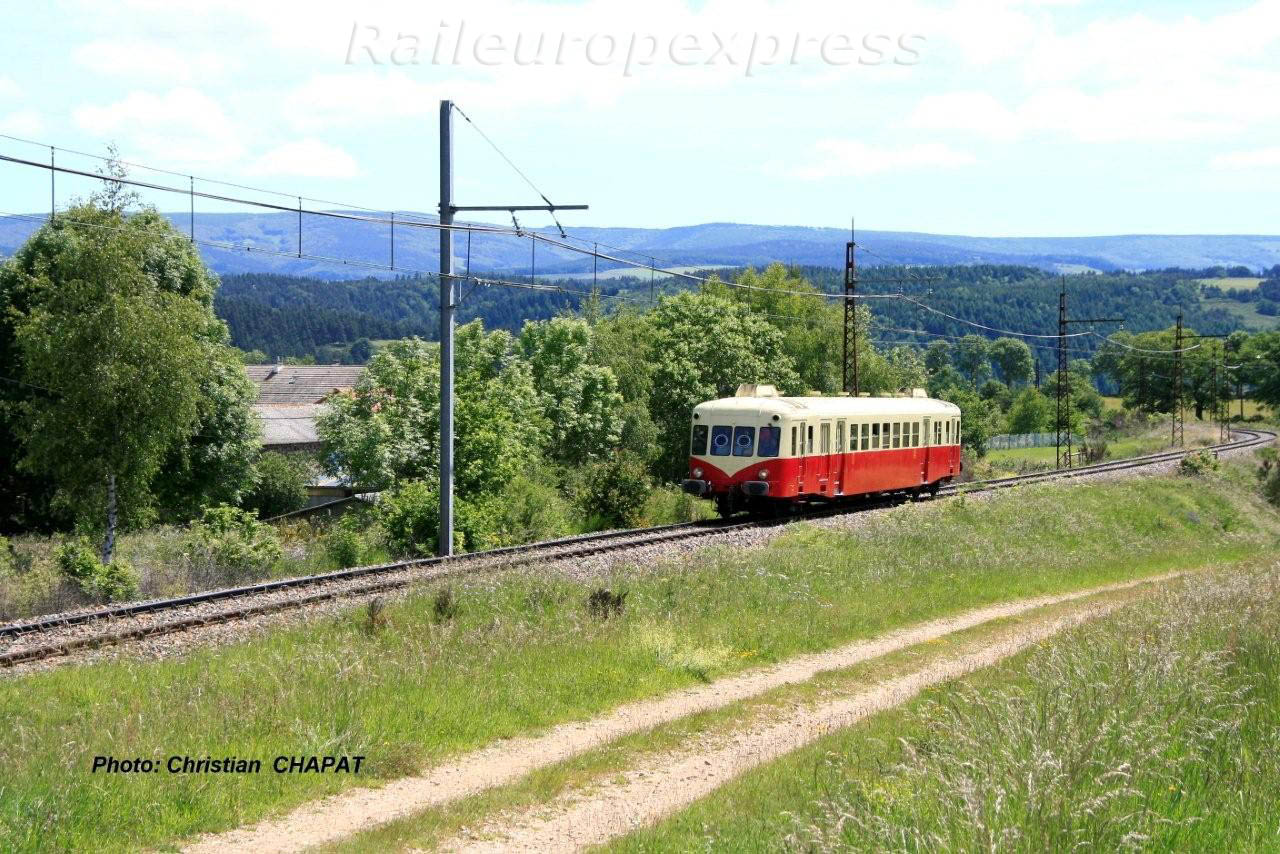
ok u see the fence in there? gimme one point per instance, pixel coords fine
(1006, 441)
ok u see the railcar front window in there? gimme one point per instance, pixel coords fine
(770, 439)
(720, 437)
(793, 441)
(699, 446)
(744, 441)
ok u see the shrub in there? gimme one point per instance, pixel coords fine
(613, 493)
(1198, 463)
(410, 515)
(235, 540)
(344, 544)
(79, 564)
(669, 504)
(280, 484)
(6, 557)
(528, 511)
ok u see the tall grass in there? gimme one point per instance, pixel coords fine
(506, 656)
(1154, 729)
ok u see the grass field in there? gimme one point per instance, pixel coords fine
(1245, 312)
(523, 652)
(1234, 283)
(1151, 729)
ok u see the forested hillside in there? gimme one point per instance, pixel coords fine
(287, 316)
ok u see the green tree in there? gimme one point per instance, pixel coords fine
(280, 484)
(110, 320)
(579, 399)
(976, 419)
(808, 324)
(388, 429)
(1031, 412)
(937, 356)
(973, 359)
(1013, 360)
(215, 465)
(703, 347)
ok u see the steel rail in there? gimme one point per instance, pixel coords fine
(559, 549)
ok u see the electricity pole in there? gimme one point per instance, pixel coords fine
(1064, 387)
(448, 304)
(1177, 437)
(449, 288)
(850, 318)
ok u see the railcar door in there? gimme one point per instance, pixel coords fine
(822, 458)
(801, 467)
(926, 457)
(837, 461)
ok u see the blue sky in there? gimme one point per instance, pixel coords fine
(988, 118)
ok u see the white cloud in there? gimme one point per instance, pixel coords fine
(1260, 158)
(22, 123)
(182, 126)
(842, 158)
(8, 87)
(308, 158)
(135, 58)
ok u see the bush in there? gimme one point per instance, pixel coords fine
(280, 484)
(1198, 463)
(344, 543)
(79, 564)
(613, 493)
(235, 540)
(528, 511)
(410, 515)
(668, 505)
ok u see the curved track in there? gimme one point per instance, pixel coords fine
(60, 634)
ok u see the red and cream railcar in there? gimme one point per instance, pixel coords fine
(758, 451)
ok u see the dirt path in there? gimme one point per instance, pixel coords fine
(346, 813)
(670, 781)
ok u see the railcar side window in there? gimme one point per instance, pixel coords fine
(770, 439)
(937, 433)
(875, 435)
(839, 437)
(948, 432)
(720, 437)
(793, 440)
(808, 442)
(915, 434)
(897, 434)
(699, 446)
(803, 447)
(744, 441)
(825, 433)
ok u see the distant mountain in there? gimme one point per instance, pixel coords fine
(273, 238)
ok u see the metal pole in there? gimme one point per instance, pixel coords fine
(1178, 434)
(192, 180)
(850, 320)
(1064, 401)
(53, 185)
(447, 305)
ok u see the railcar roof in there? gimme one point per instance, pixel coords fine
(834, 407)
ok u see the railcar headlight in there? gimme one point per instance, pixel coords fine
(764, 474)
(697, 473)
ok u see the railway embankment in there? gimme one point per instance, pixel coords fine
(461, 664)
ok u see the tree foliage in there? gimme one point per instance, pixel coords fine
(129, 390)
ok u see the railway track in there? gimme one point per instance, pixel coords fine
(62, 634)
